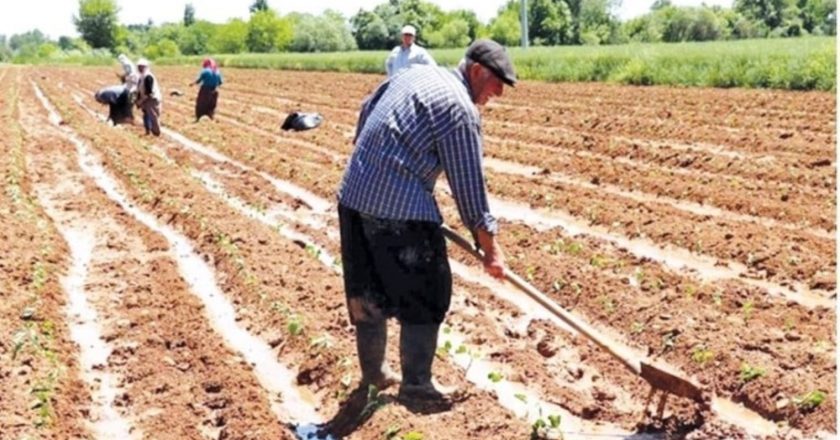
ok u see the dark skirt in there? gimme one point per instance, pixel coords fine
(394, 268)
(205, 103)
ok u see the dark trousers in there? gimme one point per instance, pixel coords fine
(394, 268)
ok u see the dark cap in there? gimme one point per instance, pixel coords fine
(493, 56)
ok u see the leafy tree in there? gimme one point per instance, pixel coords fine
(258, 6)
(189, 14)
(267, 32)
(163, 48)
(473, 24)
(196, 39)
(549, 22)
(505, 28)
(644, 29)
(659, 4)
(767, 11)
(32, 38)
(595, 19)
(97, 22)
(229, 37)
(455, 33)
(370, 30)
(326, 33)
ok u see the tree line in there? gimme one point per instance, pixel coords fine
(551, 22)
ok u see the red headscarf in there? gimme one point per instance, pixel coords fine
(210, 63)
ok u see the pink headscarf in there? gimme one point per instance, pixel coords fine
(211, 64)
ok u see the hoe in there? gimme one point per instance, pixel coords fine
(658, 377)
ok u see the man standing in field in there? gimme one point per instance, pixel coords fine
(407, 54)
(413, 127)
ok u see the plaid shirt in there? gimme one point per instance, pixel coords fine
(414, 126)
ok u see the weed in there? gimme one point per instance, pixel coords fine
(748, 373)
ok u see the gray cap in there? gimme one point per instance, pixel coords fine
(493, 56)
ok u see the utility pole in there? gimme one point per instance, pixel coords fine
(523, 21)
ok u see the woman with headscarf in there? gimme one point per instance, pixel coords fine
(208, 95)
(148, 97)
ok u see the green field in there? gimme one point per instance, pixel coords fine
(795, 63)
(807, 63)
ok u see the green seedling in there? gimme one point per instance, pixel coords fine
(810, 401)
(554, 421)
(413, 435)
(639, 275)
(789, 325)
(447, 330)
(521, 397)
(462, 349)
(701, 355)
(495, 377)
(558, 285)
(689, 290)
(321, 342)
(529, 272)
(608, 304)
(717, 298)
(391, 432)
(669, 340)
(747, 309)
(637, 327)
(313, 251)
(748, 373)
(374, 402)
(445, 348)
(599, 261)
(295, 326)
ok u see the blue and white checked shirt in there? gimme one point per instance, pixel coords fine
(414, 126)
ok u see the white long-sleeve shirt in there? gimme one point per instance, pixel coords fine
(401, 58)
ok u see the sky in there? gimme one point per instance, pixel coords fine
(55, 17)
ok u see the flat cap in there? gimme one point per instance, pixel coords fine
(493, 56)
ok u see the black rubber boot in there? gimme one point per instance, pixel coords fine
(418, 343)
(371, 340)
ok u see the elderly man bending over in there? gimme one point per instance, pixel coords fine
(415, 126)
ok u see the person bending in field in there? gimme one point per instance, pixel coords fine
(118, 99)
(415, 126)
(208, 95)
(148, 97)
